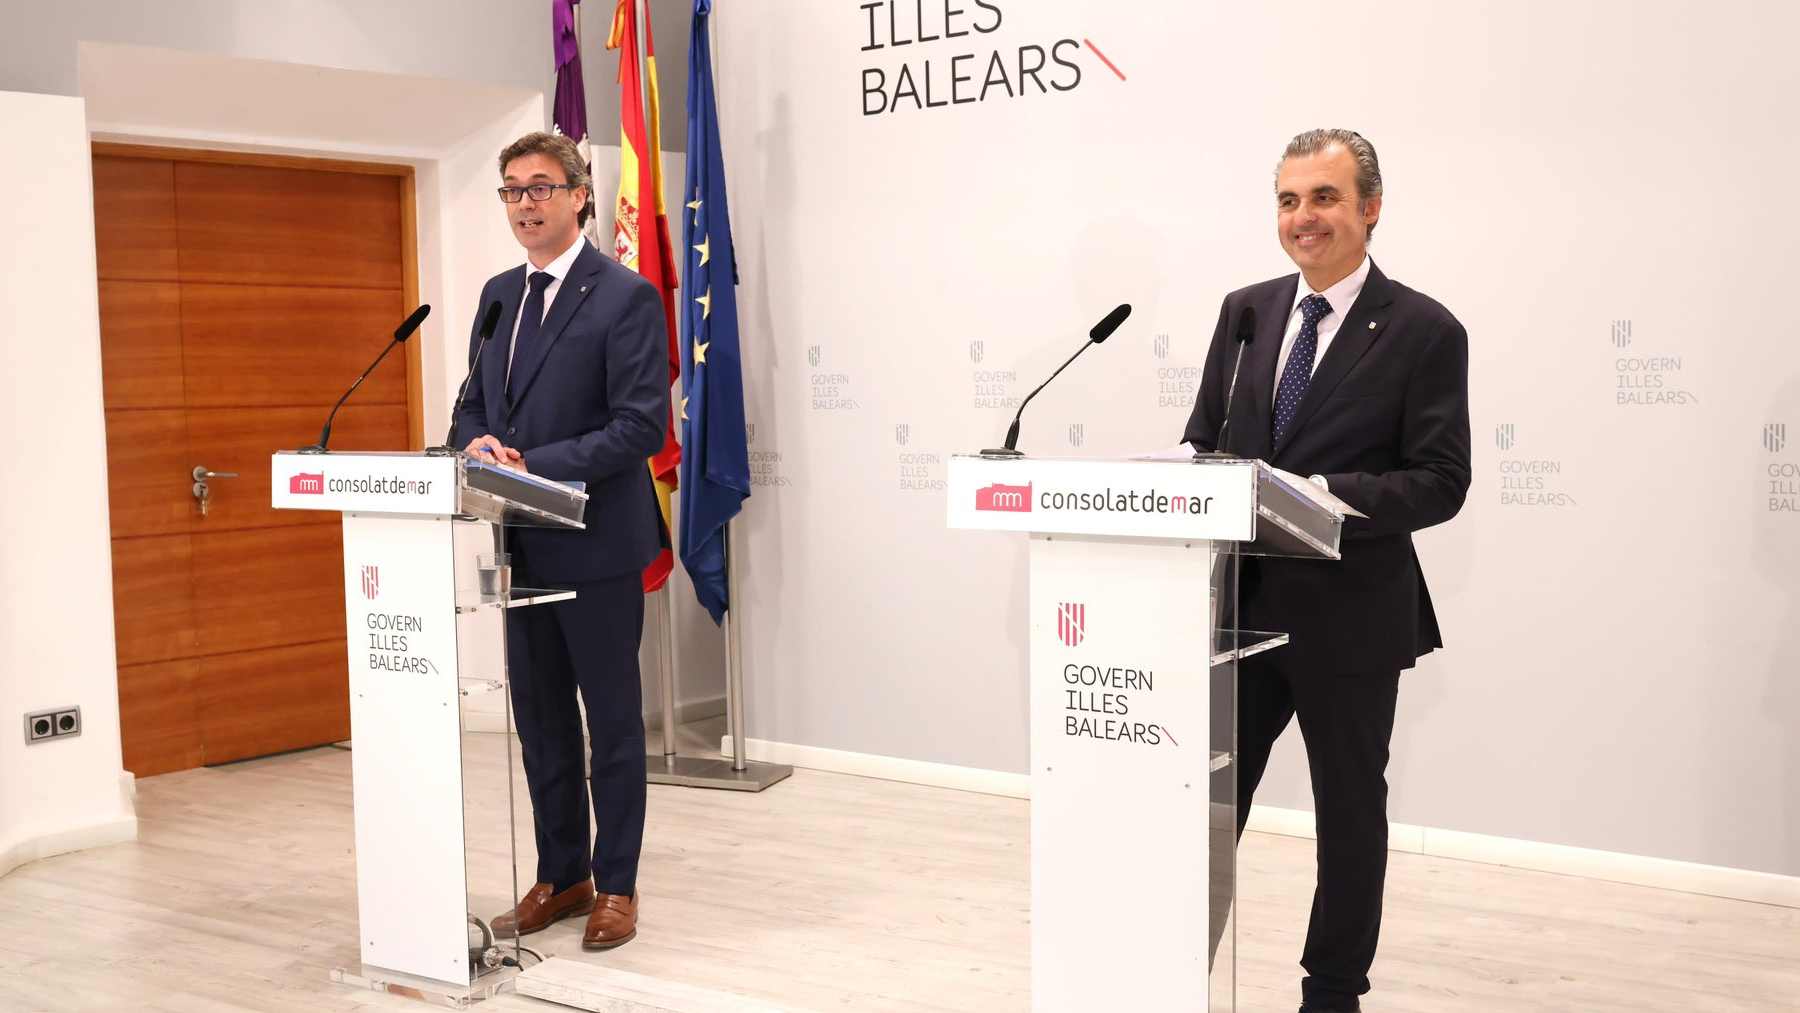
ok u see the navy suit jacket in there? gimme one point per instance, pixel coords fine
(589, 406)
(1386, 421)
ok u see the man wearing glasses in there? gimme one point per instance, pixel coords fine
(574, 386)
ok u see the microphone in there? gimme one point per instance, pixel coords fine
(488, 321)
(401, 333)
(1246, 332)
(1100, 332)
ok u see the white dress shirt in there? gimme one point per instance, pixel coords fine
(557, 269)
(1341, 296)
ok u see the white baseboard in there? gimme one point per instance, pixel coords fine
(887, 768)
(61, 842)
(686, 711)
(1536, 856)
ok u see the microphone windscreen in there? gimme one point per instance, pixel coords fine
(1247, 325)
(411, 324)
(490, 320)
(1104, 328)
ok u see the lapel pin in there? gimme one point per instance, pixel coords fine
(584, 289)
(1371, 323)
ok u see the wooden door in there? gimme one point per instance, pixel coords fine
(239, 297)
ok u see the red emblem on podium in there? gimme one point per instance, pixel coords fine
(1007, 498)
(1071, 623)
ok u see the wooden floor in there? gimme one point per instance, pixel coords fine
(827, 892)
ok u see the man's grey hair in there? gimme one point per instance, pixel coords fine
(1368, 167)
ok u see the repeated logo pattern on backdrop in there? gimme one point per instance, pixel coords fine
(1527, 481)
(1784, 475)
(831, 389)
(766, 468)
(1654, 379)
(916, 471)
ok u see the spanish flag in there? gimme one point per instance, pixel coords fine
(641, 232)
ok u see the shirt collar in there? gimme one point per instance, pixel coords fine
(1341, 296)
(562, 265)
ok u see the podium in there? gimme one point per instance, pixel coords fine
(1134, 648)
(436, 852)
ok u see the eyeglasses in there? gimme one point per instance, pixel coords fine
(538, 191)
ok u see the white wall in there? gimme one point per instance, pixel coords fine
(56, 619)
(1620, 670)
(449, 131)
(505, 44)
(486, 75)
(438, 84)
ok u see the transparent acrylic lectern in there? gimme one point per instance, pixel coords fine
(1134, 646)
(433, 757)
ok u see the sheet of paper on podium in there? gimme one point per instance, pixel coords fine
(1299, 483)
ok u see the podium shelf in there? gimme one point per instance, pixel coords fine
(476, 686)
(1250, 643)
(467, 602)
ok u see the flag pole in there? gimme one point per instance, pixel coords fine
(734, 650)
(665, 598)
(748, 774)
(665, 676)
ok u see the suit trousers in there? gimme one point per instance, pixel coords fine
(587, 645)
(1346, 721)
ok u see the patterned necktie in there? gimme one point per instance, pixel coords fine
(1298, 374)
(531, 320)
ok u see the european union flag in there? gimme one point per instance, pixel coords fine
(715, 461)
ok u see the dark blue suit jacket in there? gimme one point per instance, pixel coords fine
(590, 407)
(1386, 421)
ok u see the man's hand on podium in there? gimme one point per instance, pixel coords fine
(487, 448)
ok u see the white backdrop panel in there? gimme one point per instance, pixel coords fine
(1585, 187)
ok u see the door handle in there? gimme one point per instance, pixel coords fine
(202, 491)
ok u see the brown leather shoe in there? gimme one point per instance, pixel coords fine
(613, 923)
(539, 909)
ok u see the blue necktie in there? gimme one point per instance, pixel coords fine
(531, 320)
(1298, 374)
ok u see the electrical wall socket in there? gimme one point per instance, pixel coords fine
(60, 723)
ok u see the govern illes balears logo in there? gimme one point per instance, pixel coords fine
(1071, 623)
(934, 54)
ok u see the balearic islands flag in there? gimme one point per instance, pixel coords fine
(568, 113)
(641, 229)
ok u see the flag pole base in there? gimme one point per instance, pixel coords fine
(697, 772)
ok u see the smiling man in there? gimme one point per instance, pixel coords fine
(574, 386)
(1362, 384)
